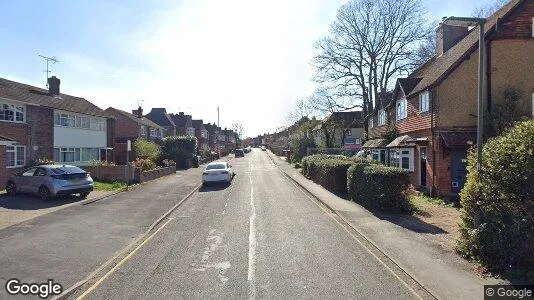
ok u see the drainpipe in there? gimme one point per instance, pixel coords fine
(432, 101)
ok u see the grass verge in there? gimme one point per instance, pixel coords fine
(108, 186)
(419, 202)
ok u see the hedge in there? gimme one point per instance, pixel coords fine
(180, 149)
(378, 187)
(497, 228)
(330, 171)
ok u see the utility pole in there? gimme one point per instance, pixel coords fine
(48, 59)
(218, 125)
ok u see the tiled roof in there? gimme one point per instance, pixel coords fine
(402, 141)
(376, 143)
(37, 96)
(408, 84)
(198, 124)
(181, 120)
(437, 68)
(160, 117)
(349, 119)
(143, 120)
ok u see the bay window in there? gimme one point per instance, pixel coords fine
(15, 156)
(402, 158)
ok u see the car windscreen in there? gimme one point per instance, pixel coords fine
(239, 151)
(66, 170)
(216, 167)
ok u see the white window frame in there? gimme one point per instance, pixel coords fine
(79, 154)
(152, 132)
(371, 122)
(397, 154)
(381, 117)
(143, 130)
(424, 102)
(16, 109)
(15, 150)
(65, 119)
(401, 113)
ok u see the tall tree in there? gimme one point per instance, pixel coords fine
(487, 9)
(371, 42)
(237, 128)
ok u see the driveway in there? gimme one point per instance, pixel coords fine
(20, 208)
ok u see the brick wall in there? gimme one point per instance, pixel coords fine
(415, 120)
(123, 173)
(519, 24)
(3, 173)
(41, 133)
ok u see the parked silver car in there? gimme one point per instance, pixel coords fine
(49, 181)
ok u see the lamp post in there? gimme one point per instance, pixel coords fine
(466, 22)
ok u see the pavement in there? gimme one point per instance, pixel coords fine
(20, 208)
(443, 273)
(260, 237)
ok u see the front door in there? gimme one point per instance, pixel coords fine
(458, 170)
(422, 172)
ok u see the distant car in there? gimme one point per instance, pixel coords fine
(263, 148)
(49, 181)
(239, 153)
(218, 172)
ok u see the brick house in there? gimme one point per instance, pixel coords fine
(45, 124)
(184, 124)
(229, 138)
(162, 118)
(434, 109)
(202, 134)
(131, 126)
(213, 134)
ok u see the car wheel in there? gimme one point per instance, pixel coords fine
(11, 188)
(44, 193)
(84, 194)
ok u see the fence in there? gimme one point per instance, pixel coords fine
(124, 173)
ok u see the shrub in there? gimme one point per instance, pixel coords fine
(497, 227)
(179, 148)
(168, 163)
(330, 171)
(42, 161)
(146, 149)
(100, 163)
(378, 187)
(144, 164)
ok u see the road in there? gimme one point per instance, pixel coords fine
(260, 237)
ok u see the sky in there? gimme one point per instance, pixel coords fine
(251, 58)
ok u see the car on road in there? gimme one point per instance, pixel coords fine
(48, 181)
(263, 148)
(239, 153)
(218, 172)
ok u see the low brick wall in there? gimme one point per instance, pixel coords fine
(154, 174)
(111, 173)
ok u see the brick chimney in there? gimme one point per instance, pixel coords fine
(447, 36)
(138, 112)
(53, 85)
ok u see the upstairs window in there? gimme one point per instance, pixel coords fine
(381, 117)
(143, 130)
(402, 111)
(12, 113)
(371, 122)
(152, 132)
(424, 100)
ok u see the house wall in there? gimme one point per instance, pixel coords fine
(3, 170)
(75, 137)
(415, 120)
(512, 64)
(519, 24)
(126, 127)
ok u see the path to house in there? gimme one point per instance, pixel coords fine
(443, 273)
(68, 244)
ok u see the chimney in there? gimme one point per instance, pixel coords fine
(181, 113)
(53, 85)
(138, 112)
(447, 36)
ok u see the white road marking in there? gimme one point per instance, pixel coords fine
(252, 242)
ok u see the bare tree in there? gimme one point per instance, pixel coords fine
(300, 110)
(370, 43)
(237, 128)
(487, 9)
(426, 49)
(324, 101)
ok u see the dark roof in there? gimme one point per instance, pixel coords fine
(458, 139)
(376, 143)
(402, 141)
(349, 119)
(37, 96)
(181, 119)
(198, 124)
(210, 127)
(437, 68)
(408, 84)
(144, 121)
(4, 138)
(160, 117)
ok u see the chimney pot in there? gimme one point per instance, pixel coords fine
(53, 85)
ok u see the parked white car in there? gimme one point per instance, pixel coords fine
(218, 172)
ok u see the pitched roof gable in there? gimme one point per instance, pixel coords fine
(160, 117)
(32, 95)
(438, 68)
(144, 121)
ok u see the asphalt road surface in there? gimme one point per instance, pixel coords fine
(260, 237)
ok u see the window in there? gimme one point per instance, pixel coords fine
(75, 121)
(16, 156)
(424, 100)
(402, 112)
(72, 155)
(371, 122)
(12, 113)
(86, 123)
(381, 117)
(66, 154)
(159, 133)
(29, 172)
(152, 132)
(376, 154)
(143, 130)
(402, 158)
